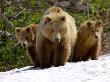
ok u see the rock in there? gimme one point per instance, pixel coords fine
(105, 43)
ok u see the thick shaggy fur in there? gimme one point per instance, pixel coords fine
(89, 41)
(27, 36)
(56, 37)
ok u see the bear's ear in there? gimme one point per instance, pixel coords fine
(18, 29)
(99, 23)
(47, 19)
(55, 9)
(28, 29)
(63, 18)
(89, 23)
(34, 26)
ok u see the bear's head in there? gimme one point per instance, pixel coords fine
(53, 24)
(94, 28)
(25, 34)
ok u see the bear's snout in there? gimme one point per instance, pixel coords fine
(57, 40)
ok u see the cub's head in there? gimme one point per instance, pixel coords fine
(94, 28)
(25, 34)
(53, 25)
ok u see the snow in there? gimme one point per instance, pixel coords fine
(89, 71)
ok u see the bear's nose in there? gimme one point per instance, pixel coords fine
(57, 40)
(96, 36)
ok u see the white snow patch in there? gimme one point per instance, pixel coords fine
(89, 71)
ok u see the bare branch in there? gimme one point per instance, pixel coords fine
(8, 25)
(16, 14)
(88, 14)
(107, 12)
(27, 16)
(8, 2)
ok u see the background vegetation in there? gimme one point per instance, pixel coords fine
(19, 13)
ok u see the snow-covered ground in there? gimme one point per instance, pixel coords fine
(89, 71)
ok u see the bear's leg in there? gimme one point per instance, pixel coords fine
(79, 53)
(77, 57)
(95, 52)
(33, 56)
(35, 60)
(44, 57)
(62, 54)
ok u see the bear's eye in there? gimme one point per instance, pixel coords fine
(59, 30)
(52, 30)
(26, 38)
(97, 30)
(21, 38)
(63, 18)
(93, 31)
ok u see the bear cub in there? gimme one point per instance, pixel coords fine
(26, 36)
(88, 43)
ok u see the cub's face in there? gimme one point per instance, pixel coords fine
(95, 28)
(24, 34)
(53, 27)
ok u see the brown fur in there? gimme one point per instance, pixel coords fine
(56, 37)
(26, 35)
(89, 41)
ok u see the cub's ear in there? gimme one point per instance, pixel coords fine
(47, 19)
(34, 26)
(18, 29)
(28, 29)
(99, 23)
(89, 23)
(63, 18)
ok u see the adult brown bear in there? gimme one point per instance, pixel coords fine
(56, 37)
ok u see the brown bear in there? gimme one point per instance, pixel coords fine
(88, 40)
(56, 37)
(27, 36)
